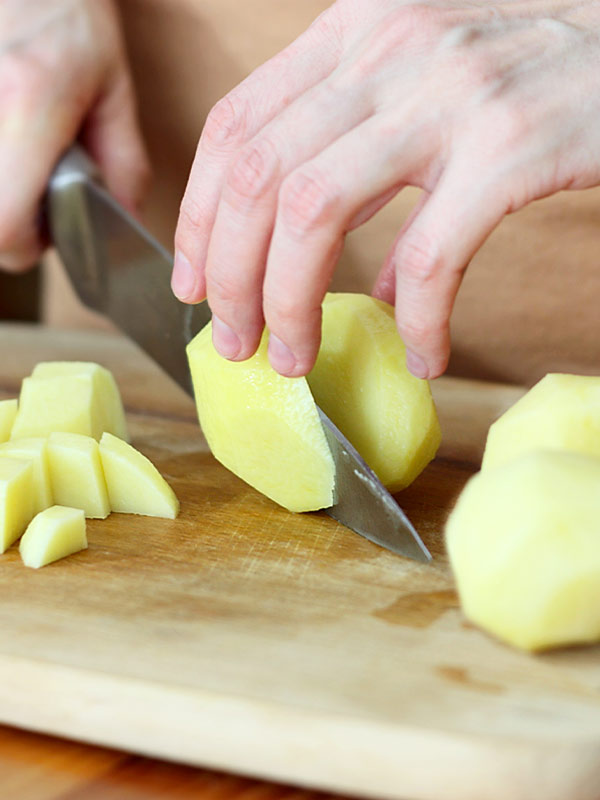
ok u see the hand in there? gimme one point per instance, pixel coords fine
(63, 72)
(486, 106)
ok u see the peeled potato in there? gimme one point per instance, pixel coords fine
(361, 382)
(71, 397)
(524, 545)
(16, 491)
(8, 412)
(53, 534)
(263, 427)
(77, 475)
(560, 412)
(134, 484)
(36, 451)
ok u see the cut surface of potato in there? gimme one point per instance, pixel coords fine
(560, 412)
(54, 533)
(36, 451)
(73, 397)
(361, 382)
(524, 545)
(134, 484)
(76, 474)
(8, 412)
(263, 427)
(16, 490)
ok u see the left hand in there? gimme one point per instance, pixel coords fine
(486, 106)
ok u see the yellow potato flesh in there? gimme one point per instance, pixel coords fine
(8, 412)
(524, 545)
(134, 484)
(53, 534)
(36, 451)
(74, 397)
(361, 382)
(16, 509)
(560, 412)
(77, 475)
(263, 427)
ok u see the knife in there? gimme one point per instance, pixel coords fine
(117, 268)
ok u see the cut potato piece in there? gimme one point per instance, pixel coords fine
(263, 427)
(560, 412)
(361, 382)
(54, 533)
(16, 491)
(524, 544)
(76, 474)
(8, 412)
(134, 484)
(36, 451)
(74, 397)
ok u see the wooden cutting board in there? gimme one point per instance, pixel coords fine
(246, 638)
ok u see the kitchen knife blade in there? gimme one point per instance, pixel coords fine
(117, 268)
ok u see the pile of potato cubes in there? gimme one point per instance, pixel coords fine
(65, 456)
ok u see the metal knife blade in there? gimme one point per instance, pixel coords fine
(120, 270)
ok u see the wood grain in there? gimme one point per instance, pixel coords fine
(245, 638)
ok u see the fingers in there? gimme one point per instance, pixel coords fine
(231, 124)
(430, 258)
(243, 226)
(112, 137)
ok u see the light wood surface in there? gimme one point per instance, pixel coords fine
(243, 638)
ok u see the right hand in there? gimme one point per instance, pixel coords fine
(63, 75)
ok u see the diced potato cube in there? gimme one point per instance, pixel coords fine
(74, 397)
(134, 484)
(54, 533)
(361, 382)
(36, 451)
(77, 475)
(524, 545)
(263, 427)
(8, 412)
(560, 412)
(16, 492)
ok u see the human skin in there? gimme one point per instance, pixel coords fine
(63, 74)
(486, 106)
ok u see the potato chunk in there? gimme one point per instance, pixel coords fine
(73, 397)
(36, 451)
(77, 475)
(560, 412)
(361, 382)
(52, 534)
(8, 412)
(263, 427)
(134, 484)
(524, 544)
(16, 508)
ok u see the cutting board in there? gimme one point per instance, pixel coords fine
(246, 638)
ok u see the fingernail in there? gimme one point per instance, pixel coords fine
(225, 339)
(416, 365)
(281, 357)
(183, 279)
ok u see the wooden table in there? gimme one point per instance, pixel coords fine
(247, 639)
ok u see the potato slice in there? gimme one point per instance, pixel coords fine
(36, 451)
(560, 412)
(74, 397)
(263, 427)
(16, 491)
(77, 475)
(8, 412)
(361, 382)
(134, 484)
(52, 534)
(524, 545)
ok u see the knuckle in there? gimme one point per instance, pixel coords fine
(192, 217)
(252, 172)
(226, 123)
(286, 312)
(307, 200)
(222, 289)
(418, 257)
